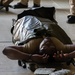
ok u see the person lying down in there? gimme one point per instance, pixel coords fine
(43, 49)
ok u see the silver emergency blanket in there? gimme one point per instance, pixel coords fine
(24, 27)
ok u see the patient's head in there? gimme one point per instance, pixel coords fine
(47, 46)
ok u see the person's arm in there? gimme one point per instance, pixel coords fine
(15, 54)
(40, 58)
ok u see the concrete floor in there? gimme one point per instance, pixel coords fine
(10, 67)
